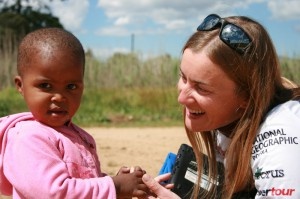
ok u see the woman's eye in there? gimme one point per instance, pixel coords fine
(201, 90)
(71, 86)
(182, 77)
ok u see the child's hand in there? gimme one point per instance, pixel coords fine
(128, 183)
(124, 170)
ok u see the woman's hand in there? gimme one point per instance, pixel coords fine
(159, 191)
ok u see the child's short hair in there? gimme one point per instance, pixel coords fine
(54, 38)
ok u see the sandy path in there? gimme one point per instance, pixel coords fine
(146, 147)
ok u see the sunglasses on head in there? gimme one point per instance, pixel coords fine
(232, 35)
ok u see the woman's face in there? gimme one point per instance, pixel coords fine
(207, 94)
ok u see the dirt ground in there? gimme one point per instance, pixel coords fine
(145, 147)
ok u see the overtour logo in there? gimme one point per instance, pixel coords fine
(276, 192)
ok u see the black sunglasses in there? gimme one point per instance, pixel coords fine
(232, 35)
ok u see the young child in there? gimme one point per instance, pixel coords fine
(42, 153)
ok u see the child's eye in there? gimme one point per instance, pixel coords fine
(71, 86)
(45, 85)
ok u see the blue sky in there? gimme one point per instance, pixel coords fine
(162, 26)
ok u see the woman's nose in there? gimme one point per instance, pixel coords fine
(184, 93)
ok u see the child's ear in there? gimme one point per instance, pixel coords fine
(19, 84)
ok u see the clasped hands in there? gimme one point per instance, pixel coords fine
(142, 185)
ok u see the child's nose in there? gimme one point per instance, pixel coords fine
(58, 97)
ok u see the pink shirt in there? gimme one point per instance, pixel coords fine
(37, 161)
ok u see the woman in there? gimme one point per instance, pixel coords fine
(238, 110)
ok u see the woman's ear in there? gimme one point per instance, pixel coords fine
(244, 104)
(19, 84)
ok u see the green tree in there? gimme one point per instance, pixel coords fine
(17, 18)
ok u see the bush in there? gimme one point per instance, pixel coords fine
(113, 107)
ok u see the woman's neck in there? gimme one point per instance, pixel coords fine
(228, 129)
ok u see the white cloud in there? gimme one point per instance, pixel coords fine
(284, 10)
(71, 13)
(121, 31)
(122, 21)
(113, 30)
(162, 14)
(166, 15)
(148, 17)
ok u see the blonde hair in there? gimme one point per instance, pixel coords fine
(258, 78)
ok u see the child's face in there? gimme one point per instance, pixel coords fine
(52, 86)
